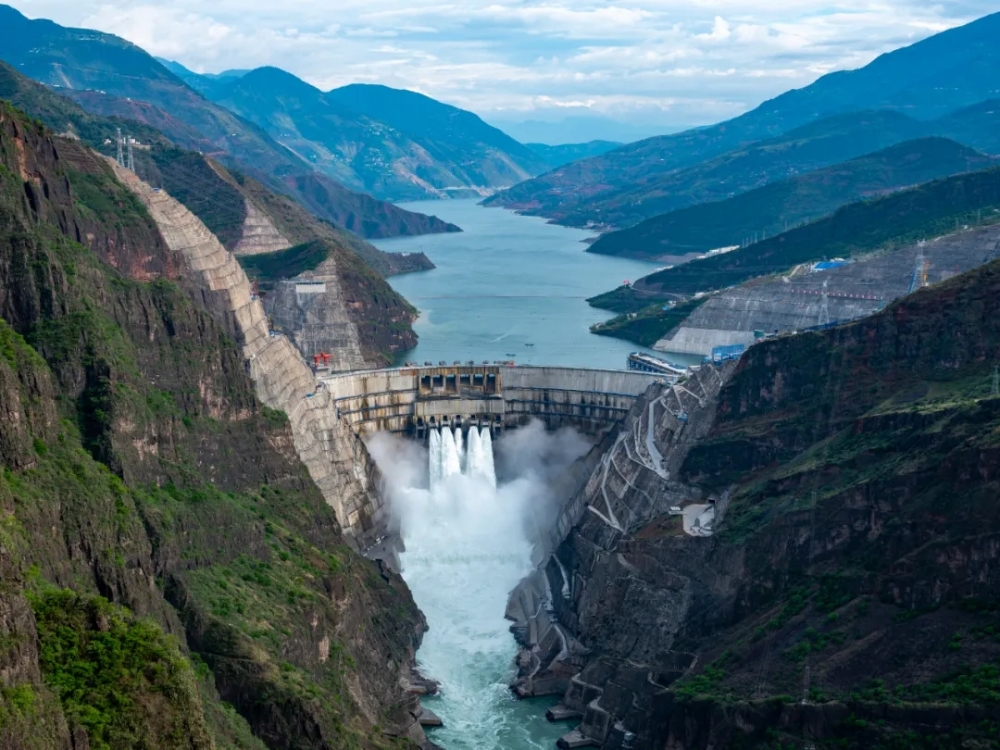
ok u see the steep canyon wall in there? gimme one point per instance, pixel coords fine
(851, 563)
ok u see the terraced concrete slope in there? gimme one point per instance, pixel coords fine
(337, 461)
(808, 299)
(258, 234)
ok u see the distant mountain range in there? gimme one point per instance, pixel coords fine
(110, 76)
(222, 200)
(777, 206)
(397, 145)
(577, 129)
(813, 146)
(951, 70)
(556, 156)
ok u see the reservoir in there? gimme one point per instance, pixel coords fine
(510, 287)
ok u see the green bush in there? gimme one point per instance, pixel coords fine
(103, 663)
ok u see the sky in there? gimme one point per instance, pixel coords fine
(640, 64)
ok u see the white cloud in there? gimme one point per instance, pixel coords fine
(680, 62)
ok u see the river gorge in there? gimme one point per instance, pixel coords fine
(507, 287)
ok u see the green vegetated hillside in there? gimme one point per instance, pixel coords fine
(813, 146)
(923, 212)
(172, 578)
(66, 117)
(956, 68)
(220, 200)
(110, 76)
(772, 209)
(267, 268)
(857, 557)
(645, 325)
(977, 126)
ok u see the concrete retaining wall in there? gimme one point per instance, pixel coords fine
(318, 320)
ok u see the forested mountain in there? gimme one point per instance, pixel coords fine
(777, 206)
(173, 577)
(110, 76)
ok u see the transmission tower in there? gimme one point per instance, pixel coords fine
(824, 307)
(131, 157)
(118, 141)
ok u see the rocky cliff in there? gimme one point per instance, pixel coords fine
(846, 595)
(173, 575)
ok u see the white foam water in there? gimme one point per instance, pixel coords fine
(466, 550)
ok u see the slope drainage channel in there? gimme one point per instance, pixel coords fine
(467, 545)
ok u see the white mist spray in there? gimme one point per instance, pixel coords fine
(467, 546)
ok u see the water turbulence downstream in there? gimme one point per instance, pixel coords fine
(467, 546)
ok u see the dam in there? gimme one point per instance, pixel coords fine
(414, 400)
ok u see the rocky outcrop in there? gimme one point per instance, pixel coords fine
(636, 481)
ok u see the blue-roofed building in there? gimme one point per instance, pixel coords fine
(726, 353)
(826, 265)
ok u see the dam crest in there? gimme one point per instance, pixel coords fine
(413, 401)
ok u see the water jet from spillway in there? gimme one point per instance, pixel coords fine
(468, 542)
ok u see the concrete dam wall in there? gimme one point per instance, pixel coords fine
(411, 400)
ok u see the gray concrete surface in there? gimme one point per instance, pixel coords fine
(412, 399)
(853, 291)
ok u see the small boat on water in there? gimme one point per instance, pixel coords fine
(529, 344)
